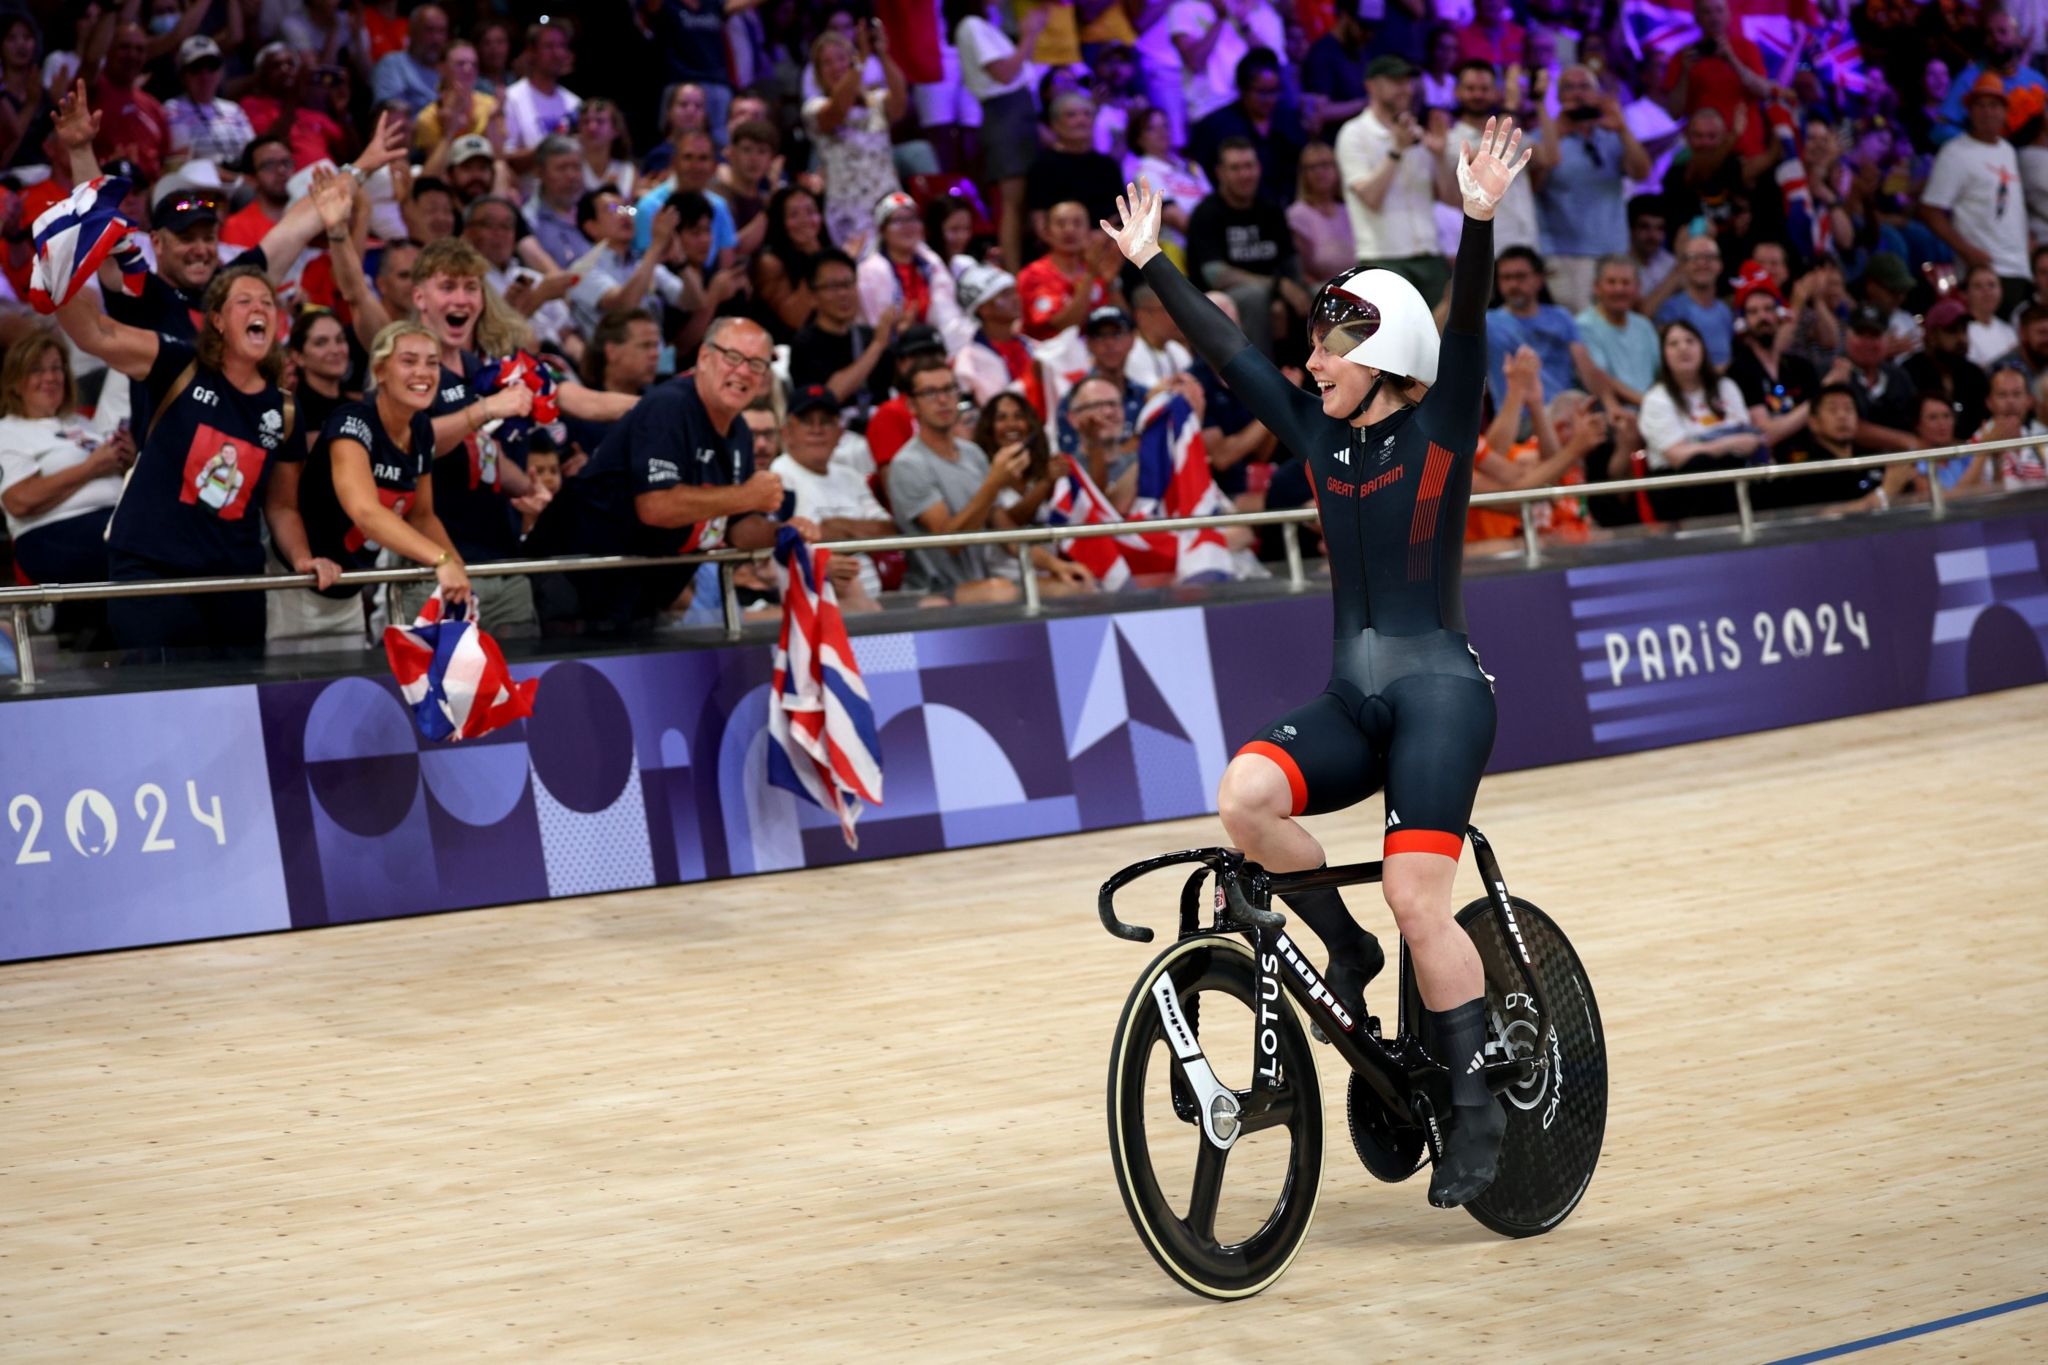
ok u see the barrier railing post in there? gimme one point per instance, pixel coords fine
(1532, 551)
(1747, 513)
(23, 650)
(1290, 536)
(729, 595)
(1027, 576)
(1937, 497)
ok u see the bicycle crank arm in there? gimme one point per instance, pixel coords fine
(1221, 1121)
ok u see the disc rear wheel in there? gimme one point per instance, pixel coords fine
(1224, 1222)
(1557, 1118)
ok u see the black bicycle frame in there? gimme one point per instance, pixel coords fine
(1399, 1071)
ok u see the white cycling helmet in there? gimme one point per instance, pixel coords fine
(1376, 318)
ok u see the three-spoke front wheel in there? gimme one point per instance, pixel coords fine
(1224, 1222)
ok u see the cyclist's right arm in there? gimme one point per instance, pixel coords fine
(1284, 409)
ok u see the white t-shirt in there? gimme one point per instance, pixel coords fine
(32, 447)
(838, 492)
(2034, 176)
(1664, 426)
(2022, 467)
(531, 117)
(1990, 340)
(1978, 183)
(980, 43)
(1148, 364)
(1216, 84)
(1405, 222)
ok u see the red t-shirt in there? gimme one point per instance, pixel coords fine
(916, 291)
(387, 33)
(1043, 290)
(247, 226)
(1716, 86)
(132, 124)
(314, 136)
(1475, 44)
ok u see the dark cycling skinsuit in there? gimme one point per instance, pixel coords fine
(1407, 707)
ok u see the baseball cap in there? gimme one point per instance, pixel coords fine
(1751, 278)
(1389, 64)
(1869, 318)
(813, 398)
(1887, 269)
(980, 283)
(469, 147)
(916, 338)
(1948, 312)
(184, 209)
(197, 48)
(891, 204)
(1108, 314)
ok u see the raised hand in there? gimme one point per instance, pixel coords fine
(385, 146)
(334, 194)
(1137, 235)
(78, 123)
(1487, 167)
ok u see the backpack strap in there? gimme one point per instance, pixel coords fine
(178, 386)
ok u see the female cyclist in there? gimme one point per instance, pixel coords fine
(1407, 708)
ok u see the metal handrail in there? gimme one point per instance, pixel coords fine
(18, 599)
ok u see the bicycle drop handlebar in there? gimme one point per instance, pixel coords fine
(1230, 868)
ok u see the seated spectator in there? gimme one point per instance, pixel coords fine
(607, 147)
(552, 212)
(684, 110)
(472, 169)
(1777, 386)
(1646, 242)
(1830, 435)
(1697, 301)
(1071, 170)
(1256, 117)
(1524, 320)
(1008, 421)
(2010, 416)
(1109, 338)
(744, 178)
(459, 108)
(722, 291)
(1886, 400)
(312, 135)
(832, 494)
(995, 359)
(1242, 245)
(942, 484)
(794, 235)
(848, 124)
(622, 357)
(1552, 454)
(949, 230)
(1935, 430)
(1694, 419)
(903, 277)
(1318, 218)
(1886, 284)
(1943, 366)
(270, 172)
(205, 127)
(363, 487)
(413, 73)
(1183, 182)
(646, 491)
(1988, 336)
(835, 348)
(2030, 354)
(60, 474)
(611, 276)
(1160, 351)
(1621, 343)
(1077, 274)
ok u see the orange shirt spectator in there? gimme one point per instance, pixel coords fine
(1043, 290)
(1559, 519)
(387, 32)
(313, 136)
(246, 226)
(132, 124)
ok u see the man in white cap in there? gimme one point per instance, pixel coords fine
(995, 358)
(205, 127)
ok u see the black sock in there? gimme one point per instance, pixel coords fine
(1460, 1038)
(1323, 911)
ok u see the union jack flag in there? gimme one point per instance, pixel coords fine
(519, 368)
(453, 676)
(1173, 481)
(825, 746)
(75, 236)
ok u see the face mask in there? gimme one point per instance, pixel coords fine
(162, 23)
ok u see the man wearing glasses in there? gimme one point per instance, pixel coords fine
(676, 475)
(1255, 115)
(941, 484)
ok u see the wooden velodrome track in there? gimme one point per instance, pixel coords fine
(858, 1114)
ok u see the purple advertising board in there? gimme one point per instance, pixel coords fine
(164, 816)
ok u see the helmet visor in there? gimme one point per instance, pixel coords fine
(1342, 321)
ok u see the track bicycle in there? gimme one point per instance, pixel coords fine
(1219, 986)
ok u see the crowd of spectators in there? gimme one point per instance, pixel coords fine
(837, 266)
